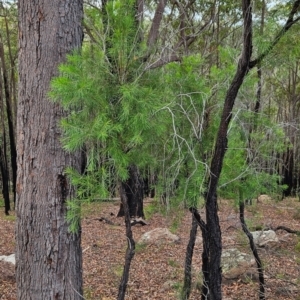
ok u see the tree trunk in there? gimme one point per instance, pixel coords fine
(3, 158)
(131, 245)
(5, 178)
(187, 285)
(10, 122)
(254, 251)
(288, 173)
(213, 237)
(134, 189)
(205, 254)
(49, 259)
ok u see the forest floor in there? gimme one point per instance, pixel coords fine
(157, 270)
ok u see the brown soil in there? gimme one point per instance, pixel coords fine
(157, 270)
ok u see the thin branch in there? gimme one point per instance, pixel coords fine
(255, 253)
(289, 23)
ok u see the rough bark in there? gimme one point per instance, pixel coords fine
(49, 260)
(212, 220)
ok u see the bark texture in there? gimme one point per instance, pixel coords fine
(49, 260)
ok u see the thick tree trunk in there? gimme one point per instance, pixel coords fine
(134, 189)
(49, 260)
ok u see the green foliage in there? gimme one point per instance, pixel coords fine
(140, 247)
(297, 247)
(73, 215)
(10, 218)
(152, 208)
(173, 263)
(111, 107)
(185, 171)
(119, 113)
(252, 140)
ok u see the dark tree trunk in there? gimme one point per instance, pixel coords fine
(134, 190)
(214, 242)
(205, 255)
(10, 122)
(189, 255)
(288, 173)
(49, 259)
(5, 178)
(186, 290)
(3, 159)
(149, 181)
(131, 244)
(255, 253)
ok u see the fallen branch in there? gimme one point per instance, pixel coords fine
(287, 230)
(104, 220)
(138, 221)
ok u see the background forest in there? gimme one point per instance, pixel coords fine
(186, 102)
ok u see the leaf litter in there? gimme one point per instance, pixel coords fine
(157, 270)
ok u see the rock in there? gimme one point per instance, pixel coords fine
(237, 265)
(158, 236)
(10, 258)
(265, 238)
(264, 199)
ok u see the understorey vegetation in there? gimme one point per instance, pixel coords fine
(185, 103)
